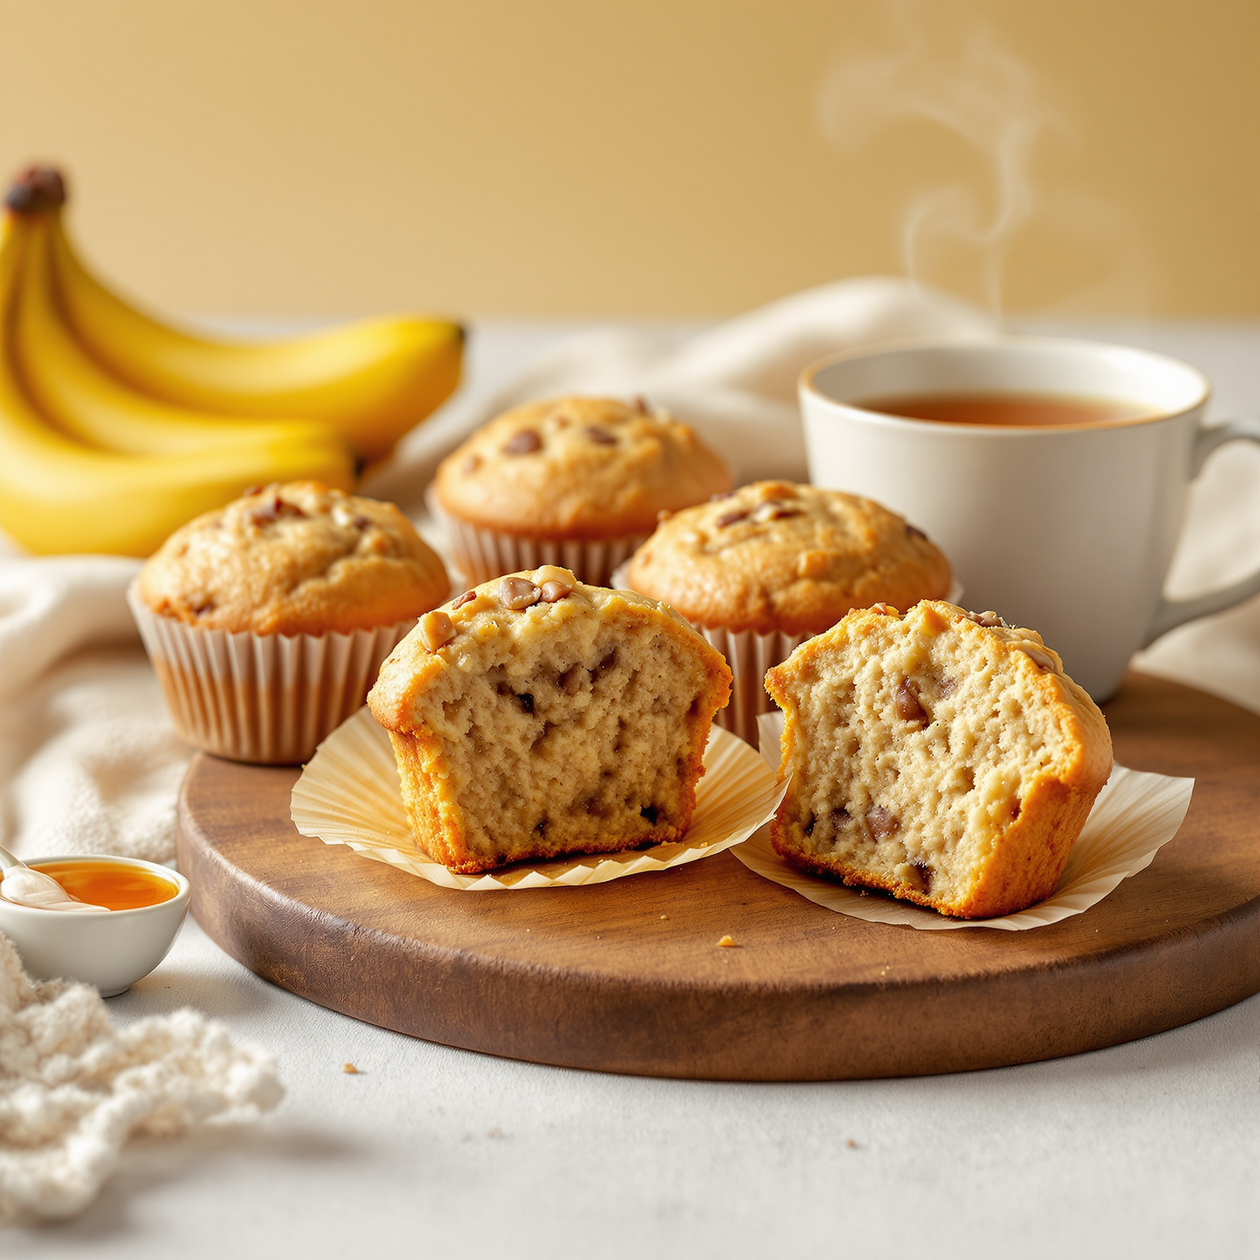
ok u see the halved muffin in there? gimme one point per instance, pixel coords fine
(942, 756)
(536, 716)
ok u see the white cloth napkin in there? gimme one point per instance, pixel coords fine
(73, 1089)
(88, 759)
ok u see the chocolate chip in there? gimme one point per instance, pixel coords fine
(1016, 807)
(808, 829)
(526, 701)
(201, 604)
(914, 532)
(518, 593)
(730, 518)
(471, 464)
(774, 510)
(601, 437)
(920, 876)
(642, 406)
(907, 705)
(466, 598)
(882, 822)
(363, 522)
(524, 443)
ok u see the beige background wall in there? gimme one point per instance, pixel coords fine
(649, 157)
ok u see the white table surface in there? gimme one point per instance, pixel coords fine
(1150, 1149)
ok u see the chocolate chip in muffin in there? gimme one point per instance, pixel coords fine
(523, 443)
(907, 705)
(732, 517)
(600, 436)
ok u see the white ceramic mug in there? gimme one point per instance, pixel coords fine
(1067, 529)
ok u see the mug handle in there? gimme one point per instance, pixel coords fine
(1174, 612)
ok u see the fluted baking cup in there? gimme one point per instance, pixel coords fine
(262, 698)
(1135, 815)
(350, 794)
(481, 554)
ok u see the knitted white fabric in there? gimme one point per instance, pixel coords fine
(73, 1089)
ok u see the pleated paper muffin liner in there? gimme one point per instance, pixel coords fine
(481, 554)
(350, 794)
(262, 698)
(1134, 816)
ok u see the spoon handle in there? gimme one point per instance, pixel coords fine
(8, 861)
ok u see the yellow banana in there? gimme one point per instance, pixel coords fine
(372, 380)
(57, 495)
(86, 403)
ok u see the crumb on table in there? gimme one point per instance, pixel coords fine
(349, 1069)
(727, 942)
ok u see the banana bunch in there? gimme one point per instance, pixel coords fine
(115, 428)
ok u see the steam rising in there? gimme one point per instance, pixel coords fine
(966, 82)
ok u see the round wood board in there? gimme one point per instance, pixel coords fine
(628, 976)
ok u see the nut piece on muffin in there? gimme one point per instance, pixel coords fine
(761, 569)
(267, 620)
(941, 756)
(536, 716)
(577, 481)
(295, 559)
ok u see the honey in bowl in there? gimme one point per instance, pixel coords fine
(115, 885)
(1020, 411)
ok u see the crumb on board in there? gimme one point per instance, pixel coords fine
(851, 1144)
(349, 1069)
(727, 942)
(664, 916)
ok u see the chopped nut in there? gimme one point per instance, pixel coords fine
(436, 629)
(730, 518)
(642, 406)
(273, 511)
(601, 437)
(887, 609)
(466, 598)
(517, 593)
(727, 942)
(554, 591)
(471, 464)
(524, 443)
(560, 422)
(349, 1069)
(1041, 659)
(813, 564)
(553, 573)
(775, 510)
(990, 620)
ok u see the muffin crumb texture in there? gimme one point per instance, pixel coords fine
(295, 559)
(558, 718)
(943, 757)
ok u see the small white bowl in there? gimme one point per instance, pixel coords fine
(111, 950)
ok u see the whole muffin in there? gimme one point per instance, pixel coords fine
(572, 481)
(295, 559)
(267, 620)
(767, 566)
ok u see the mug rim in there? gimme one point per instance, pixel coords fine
(806, 381)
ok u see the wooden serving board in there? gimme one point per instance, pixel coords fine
(628, 976)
